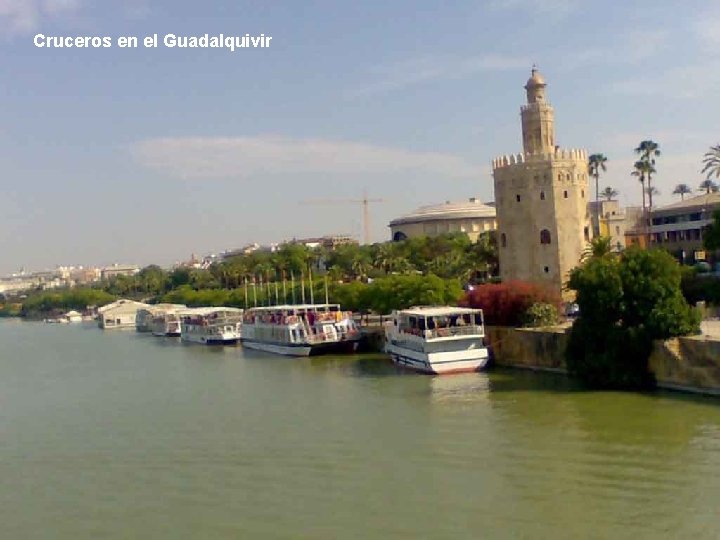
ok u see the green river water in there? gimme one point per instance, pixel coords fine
(122, 435)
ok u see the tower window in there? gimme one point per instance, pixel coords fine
(545, 237)
(547, 269)
(542, 195)
(587, 234)
(517, 198)
(582, 193)
(503, 240)
(565, 194)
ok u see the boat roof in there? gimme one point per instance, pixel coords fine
(436, 311)
(157, 308)
(291, 306)
(209, 310)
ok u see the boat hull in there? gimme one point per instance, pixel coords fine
(439, 363)
(218, 339)
(169, 333)
(300, 349)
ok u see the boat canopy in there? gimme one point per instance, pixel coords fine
(295, 308)
(432, 318)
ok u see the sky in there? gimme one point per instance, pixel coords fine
(148, 155)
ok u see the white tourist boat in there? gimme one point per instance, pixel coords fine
(300, 330)
(437, 339)
(166, 323)
(211, 325)
(149, 319)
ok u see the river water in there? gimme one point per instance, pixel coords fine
(121, 435)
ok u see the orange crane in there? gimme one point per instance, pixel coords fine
(365, 202)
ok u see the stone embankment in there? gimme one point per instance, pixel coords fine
(688, 363)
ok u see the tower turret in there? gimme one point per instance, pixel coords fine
(538, 118)
(541, 200)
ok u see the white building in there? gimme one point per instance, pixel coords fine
(471, 217)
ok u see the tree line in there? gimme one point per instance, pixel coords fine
(378, 277)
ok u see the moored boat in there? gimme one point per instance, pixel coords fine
(149, 319)
(437, 340)
(211, 325)
(300, 330)
(73, 316)
(166, 323)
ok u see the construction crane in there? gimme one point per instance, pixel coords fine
(365, 202)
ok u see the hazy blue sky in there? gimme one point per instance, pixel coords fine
(148, 155)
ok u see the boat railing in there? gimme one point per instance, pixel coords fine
(446, 332)
(453, 331)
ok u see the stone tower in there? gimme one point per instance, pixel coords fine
(541, 199)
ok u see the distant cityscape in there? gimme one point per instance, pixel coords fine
(73, 276)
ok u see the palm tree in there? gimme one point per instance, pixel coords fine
(596, 163)
(652, 191)
(383, 257)
(708, 186)
(360, 268)
(610, 193)
(711, 162)
(642, 171)
(648, 151)
(600, 246)
(400, 265)
(682, 190)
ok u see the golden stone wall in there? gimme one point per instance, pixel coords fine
(541, 196)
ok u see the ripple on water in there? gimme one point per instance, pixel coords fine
(120, 435)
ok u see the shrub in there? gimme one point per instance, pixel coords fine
(45, 302)
(625, 303)
(505, 304)
(541, 314)
(697, 288)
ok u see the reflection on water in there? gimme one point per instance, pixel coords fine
(118, 434)
(460, 388)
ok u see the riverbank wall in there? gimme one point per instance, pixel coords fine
(690, 364)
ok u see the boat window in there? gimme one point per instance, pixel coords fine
(478, 319)
(466, 319)
(431, 323)
(421, 324)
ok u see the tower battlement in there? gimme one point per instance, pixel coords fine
(560, 154)
(541, 199)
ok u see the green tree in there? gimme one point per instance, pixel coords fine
(596, 164)
(610, 193)
(643, 170)
(648, 151)
(711, 236)
(682, 190)
(153, 279)
(179, 276)
(599, 246)
(292, 257)
(625, 303)
(708, 186)
(711, 162)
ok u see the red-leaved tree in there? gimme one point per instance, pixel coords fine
(505, 304)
